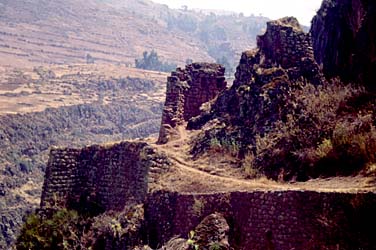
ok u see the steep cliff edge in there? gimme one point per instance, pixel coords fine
(280, 119)
(344, 40)
(268, 92)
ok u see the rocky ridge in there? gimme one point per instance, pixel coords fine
(343, 34)
(264, 89)
(182, 199)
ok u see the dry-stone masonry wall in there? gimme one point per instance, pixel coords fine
(260, 220)
(187, 90)
(285, 43)
(101, 178)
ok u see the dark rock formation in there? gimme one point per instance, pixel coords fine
(262, 93)
(187, 90)
(211, 233)
(213, 230)
(344, 40)
(285, 43)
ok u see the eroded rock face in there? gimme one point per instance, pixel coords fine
(187, 90)
(266, 78)
(344, 40)
(212, 231)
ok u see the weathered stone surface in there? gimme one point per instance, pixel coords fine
(212, 231)
(101, 178)
(344, 40)
(285, 43)
(265, 80)
(269, 220)
(187, 90)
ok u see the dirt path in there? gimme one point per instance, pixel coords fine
(191, 176)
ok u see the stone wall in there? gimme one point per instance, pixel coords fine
(285, 43)
(100, 178)
(187, 90)
(265, 89)
(283, 219)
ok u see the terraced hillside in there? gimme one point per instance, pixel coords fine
(66, 79)
(71, 106)
(66, 32)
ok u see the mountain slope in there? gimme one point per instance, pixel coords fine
(64, 32)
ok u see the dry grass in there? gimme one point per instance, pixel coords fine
(213, 173)
(30, 90)
(325, 137)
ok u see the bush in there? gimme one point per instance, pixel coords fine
(322, 137)
(58, 232)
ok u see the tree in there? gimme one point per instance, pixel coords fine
(150, 61)
(57, 232)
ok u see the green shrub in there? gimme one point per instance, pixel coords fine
(58, 232)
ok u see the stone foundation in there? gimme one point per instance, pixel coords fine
(283, 220)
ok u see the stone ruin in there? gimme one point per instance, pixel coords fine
(265, 80)
(285, 43)
(284, 47)
(101, 178)
(187, 90)
(104, 178)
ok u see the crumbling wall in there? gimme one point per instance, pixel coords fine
(285, 43)
(101, 178)
(187, 90)
(283, 220)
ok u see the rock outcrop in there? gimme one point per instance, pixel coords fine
(265, 80)
(211, 233)
(187, 90)
(344, 40)
(100, 179)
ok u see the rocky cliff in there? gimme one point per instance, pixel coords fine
(264, 92)
(344, 40)
(280, 119)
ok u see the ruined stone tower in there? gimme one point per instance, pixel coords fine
(187, 90)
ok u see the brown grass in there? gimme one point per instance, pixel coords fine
(26, 90)
(324, 138)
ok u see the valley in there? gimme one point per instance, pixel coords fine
(247, 144)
